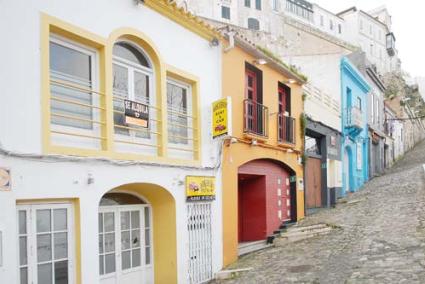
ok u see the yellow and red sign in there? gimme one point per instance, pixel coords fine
(220, 117)
(200, 188)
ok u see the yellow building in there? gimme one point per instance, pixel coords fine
(262, 170)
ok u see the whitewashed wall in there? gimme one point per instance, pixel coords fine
(20, 121)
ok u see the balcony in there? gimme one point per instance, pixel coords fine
(285, 129)
(391, 44)
(256, 117)
(354, 118)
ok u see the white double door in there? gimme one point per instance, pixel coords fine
(125, 244)
(45, 244)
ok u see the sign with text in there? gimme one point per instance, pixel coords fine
(5, 183)
(200, 188)
(136, 113)
(221, 117)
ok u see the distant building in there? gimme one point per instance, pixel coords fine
(372, 32)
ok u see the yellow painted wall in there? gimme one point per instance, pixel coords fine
(235, 155)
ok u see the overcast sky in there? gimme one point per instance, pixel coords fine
(408, 24)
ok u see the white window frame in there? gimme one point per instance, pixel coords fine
(131, 68)
(190, 126)
(93, 53)
(31, 223)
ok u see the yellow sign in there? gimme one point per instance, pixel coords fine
(200, 188)
(220, 118)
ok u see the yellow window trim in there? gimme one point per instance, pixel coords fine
(51, 25)
(193, 81)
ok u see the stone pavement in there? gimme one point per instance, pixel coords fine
(381, 238)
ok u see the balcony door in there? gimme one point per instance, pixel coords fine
(254, 111)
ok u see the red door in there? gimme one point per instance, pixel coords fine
(251, 95)
(252, 207)
(282, 100)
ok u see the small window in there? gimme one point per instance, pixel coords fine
(72, 80)
(339, 29)
(359, 103)
(331, 25)
(275, 5)
(258, 4)
(253, 24)
(248, 3)
(370, 29)
(322, 20)
(361, 25)
(225, 12)
(179, 105)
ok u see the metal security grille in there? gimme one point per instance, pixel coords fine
(199, 227)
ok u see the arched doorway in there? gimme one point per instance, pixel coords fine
(266, 198)
(125, 239)
(159, 218)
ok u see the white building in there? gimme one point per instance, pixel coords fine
(259, 15)
(372, 32)
(103, 109)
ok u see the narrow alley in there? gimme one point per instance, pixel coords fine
(379, 236)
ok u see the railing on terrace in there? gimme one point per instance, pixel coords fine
(256, 117)
(286, 128)
(354, 117)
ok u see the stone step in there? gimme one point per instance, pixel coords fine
(248, 247)
(301, 233)
(307, 228)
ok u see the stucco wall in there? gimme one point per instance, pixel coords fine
(21, 126)
(240, 153)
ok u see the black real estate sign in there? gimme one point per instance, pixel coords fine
(136, 113)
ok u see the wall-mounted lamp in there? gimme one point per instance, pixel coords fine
(260, 61)
(290, 151)
(214, 42)
(233, 140)
(291, 81)
(254, 142)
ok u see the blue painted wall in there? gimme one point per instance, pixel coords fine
(354, 144)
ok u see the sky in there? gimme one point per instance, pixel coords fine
(408, 22)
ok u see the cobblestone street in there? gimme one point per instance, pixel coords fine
(379, 236)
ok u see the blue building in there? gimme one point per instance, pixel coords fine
(354, 144)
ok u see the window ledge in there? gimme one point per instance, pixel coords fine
(253, 136)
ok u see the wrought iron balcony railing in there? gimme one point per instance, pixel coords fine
(354, 118)
(256, 118)
(286, 128)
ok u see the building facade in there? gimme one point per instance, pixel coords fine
(372, 32)
(355, 144)
(375, 113)
(114, 121)
(262, 170)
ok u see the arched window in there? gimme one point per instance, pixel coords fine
(253, 24)
(132, 82)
